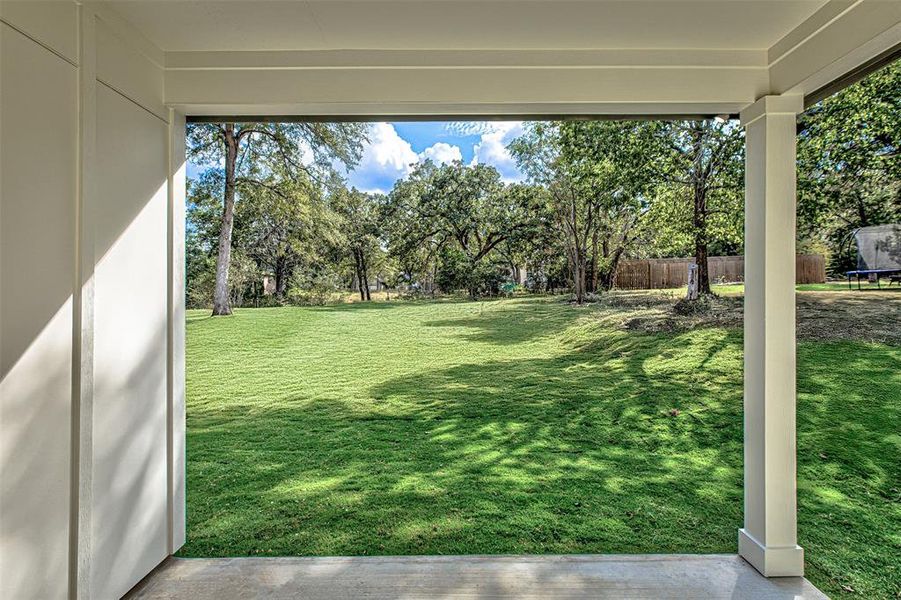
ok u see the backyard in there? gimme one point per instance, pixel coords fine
(530, 425)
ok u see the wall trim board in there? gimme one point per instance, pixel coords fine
(83, 306)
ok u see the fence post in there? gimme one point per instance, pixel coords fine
(692, 281)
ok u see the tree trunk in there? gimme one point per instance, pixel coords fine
(579, 274)
(221, 305)
(700, 235)
(608, 275)
(699, 212)
(281, 278)
(364, 278)
(434, 277)
(358, 267)
(595, 267)
(580, 281)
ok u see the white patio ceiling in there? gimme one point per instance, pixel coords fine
(192, 25)
(442, 57)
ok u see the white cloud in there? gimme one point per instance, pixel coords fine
(388, 150)
(441, 153)
(492, 148)
(386, 158)
(467, 128)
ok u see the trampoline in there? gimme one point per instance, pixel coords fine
(878, 255)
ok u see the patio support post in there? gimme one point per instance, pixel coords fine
(768, 539)
(175, 333)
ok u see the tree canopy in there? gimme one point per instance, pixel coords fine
(461, 213)
(281, 166)
(849, 173)
(272, 218)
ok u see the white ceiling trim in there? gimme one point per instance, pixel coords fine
(861, 32)
(829, 13)
(333, 59)
(837, 38)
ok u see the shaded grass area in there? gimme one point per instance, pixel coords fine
(521, 426)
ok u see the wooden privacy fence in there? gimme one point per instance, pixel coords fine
(661, 273)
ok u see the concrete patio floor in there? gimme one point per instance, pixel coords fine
(520, 577)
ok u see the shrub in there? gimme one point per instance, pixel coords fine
(316, 288)
(686, 308)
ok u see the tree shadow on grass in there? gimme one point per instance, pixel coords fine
(579, 453)
(849, 467)
(622, 442)
(616, 450)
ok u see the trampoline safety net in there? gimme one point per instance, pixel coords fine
(878, 247)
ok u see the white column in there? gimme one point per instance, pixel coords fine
(769, 538)
(175, 332)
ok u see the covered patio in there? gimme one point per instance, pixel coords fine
(636, 577)
(95, 99)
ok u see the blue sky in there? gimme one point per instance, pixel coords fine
(395, 147)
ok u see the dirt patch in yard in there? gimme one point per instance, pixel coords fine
(869, 316)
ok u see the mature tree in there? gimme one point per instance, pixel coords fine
(617, 161)
(539, 152)
(706, 160)
(359, 215)
(204, 212)
(462, 210)
(276, 226)
(411, 242)
(530, 246)
(282, 225)
(248, 150)
(849, 173)
(597, 175)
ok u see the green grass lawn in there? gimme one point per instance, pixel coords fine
(522, 426)
(829, 286)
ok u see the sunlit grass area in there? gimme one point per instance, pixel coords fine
(524, 425)
(829, 286)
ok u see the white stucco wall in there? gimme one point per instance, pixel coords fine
(91, 483)
(129, 456)
(38, 141)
